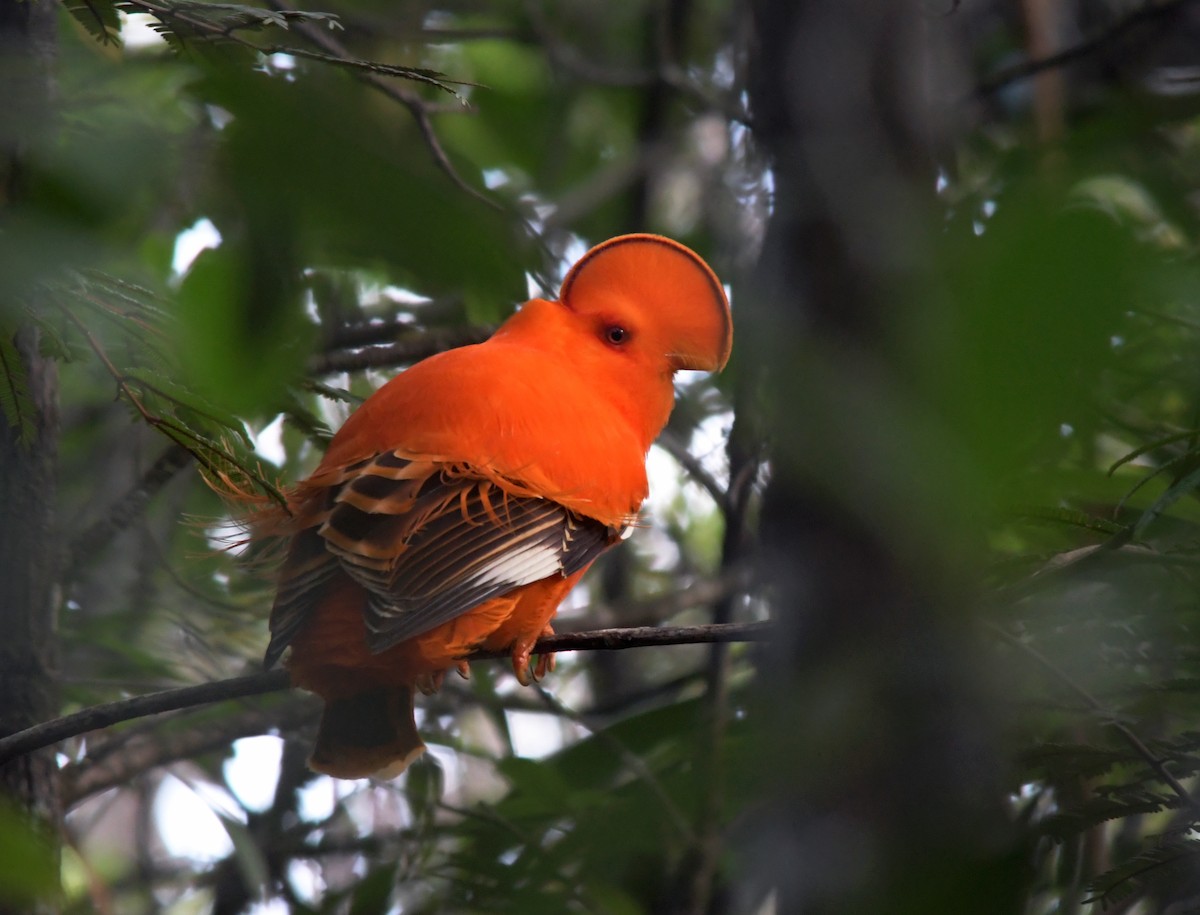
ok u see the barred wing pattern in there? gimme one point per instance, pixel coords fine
(427, 542)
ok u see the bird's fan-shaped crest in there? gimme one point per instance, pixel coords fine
(688, 300)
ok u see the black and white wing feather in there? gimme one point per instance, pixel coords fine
(427, 543)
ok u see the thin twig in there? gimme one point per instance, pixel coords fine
(704, 858)
(695, 469)
(1144, 13)
(569, 59)
(216, 32)
(376, 328)
(152, 749)
(207, 454)
(111, 713)
(421, 111)
(702, 592)
(170, 429)
(402, 352)
(127, 508)
(169, 700)
(1095, 705)
(415, 104)
(368, 71)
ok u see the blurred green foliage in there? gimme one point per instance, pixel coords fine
(1034, 452)
(29, 861)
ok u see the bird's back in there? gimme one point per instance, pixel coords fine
(519, 411)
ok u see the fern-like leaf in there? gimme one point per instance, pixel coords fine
(1070, 517)
(1056, 761)
(1174, 493)
(99, 17)
(180, 20)
(1136, 453)
(231, 17)
(1156, 865)
(1101, 809)
(179, 398)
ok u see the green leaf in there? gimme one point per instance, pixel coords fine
(373, 893)
(376, 202)
(164, 387)
(1037, 299)
(1174, 493)
(1158, 443)
(99, 17)
(1163, 862)
(28, 871)
(538, 789)
(241, 334)
(1072, 517)
(424, 787)
(1071, 761)
(612, 900)
(247, 855)
(16, 404)
(1133, 801)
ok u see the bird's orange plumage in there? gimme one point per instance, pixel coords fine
(460, 503)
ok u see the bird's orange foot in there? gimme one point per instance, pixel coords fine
(520, 665)
(464, 669)
(522, 653)
(546, 663)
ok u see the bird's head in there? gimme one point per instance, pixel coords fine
(653, 297)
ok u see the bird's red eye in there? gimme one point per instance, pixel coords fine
(616, 334)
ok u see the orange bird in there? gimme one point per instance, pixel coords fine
(461, 502)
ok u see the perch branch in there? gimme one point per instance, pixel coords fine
(100, 716)
(155, 748)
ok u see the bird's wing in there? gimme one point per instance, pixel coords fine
(428, 542)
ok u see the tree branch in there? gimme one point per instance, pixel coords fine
(336, 55)
(694, 469)
(569, 59)
(127, 508)
(699, 879)
(417, 346)
(375, 327)
(415, 104)
(101, 716)
(152, 749)
(1147, 12)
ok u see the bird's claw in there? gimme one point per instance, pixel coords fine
(528, 673)
(431, 682)
(520, 664)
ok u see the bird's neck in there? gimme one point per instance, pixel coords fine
(642, 394)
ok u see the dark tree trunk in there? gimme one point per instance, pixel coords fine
(886, 792)
(28, 550)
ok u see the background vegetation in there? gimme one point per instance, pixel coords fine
(955, 458)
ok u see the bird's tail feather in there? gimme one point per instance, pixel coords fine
(369, 733)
